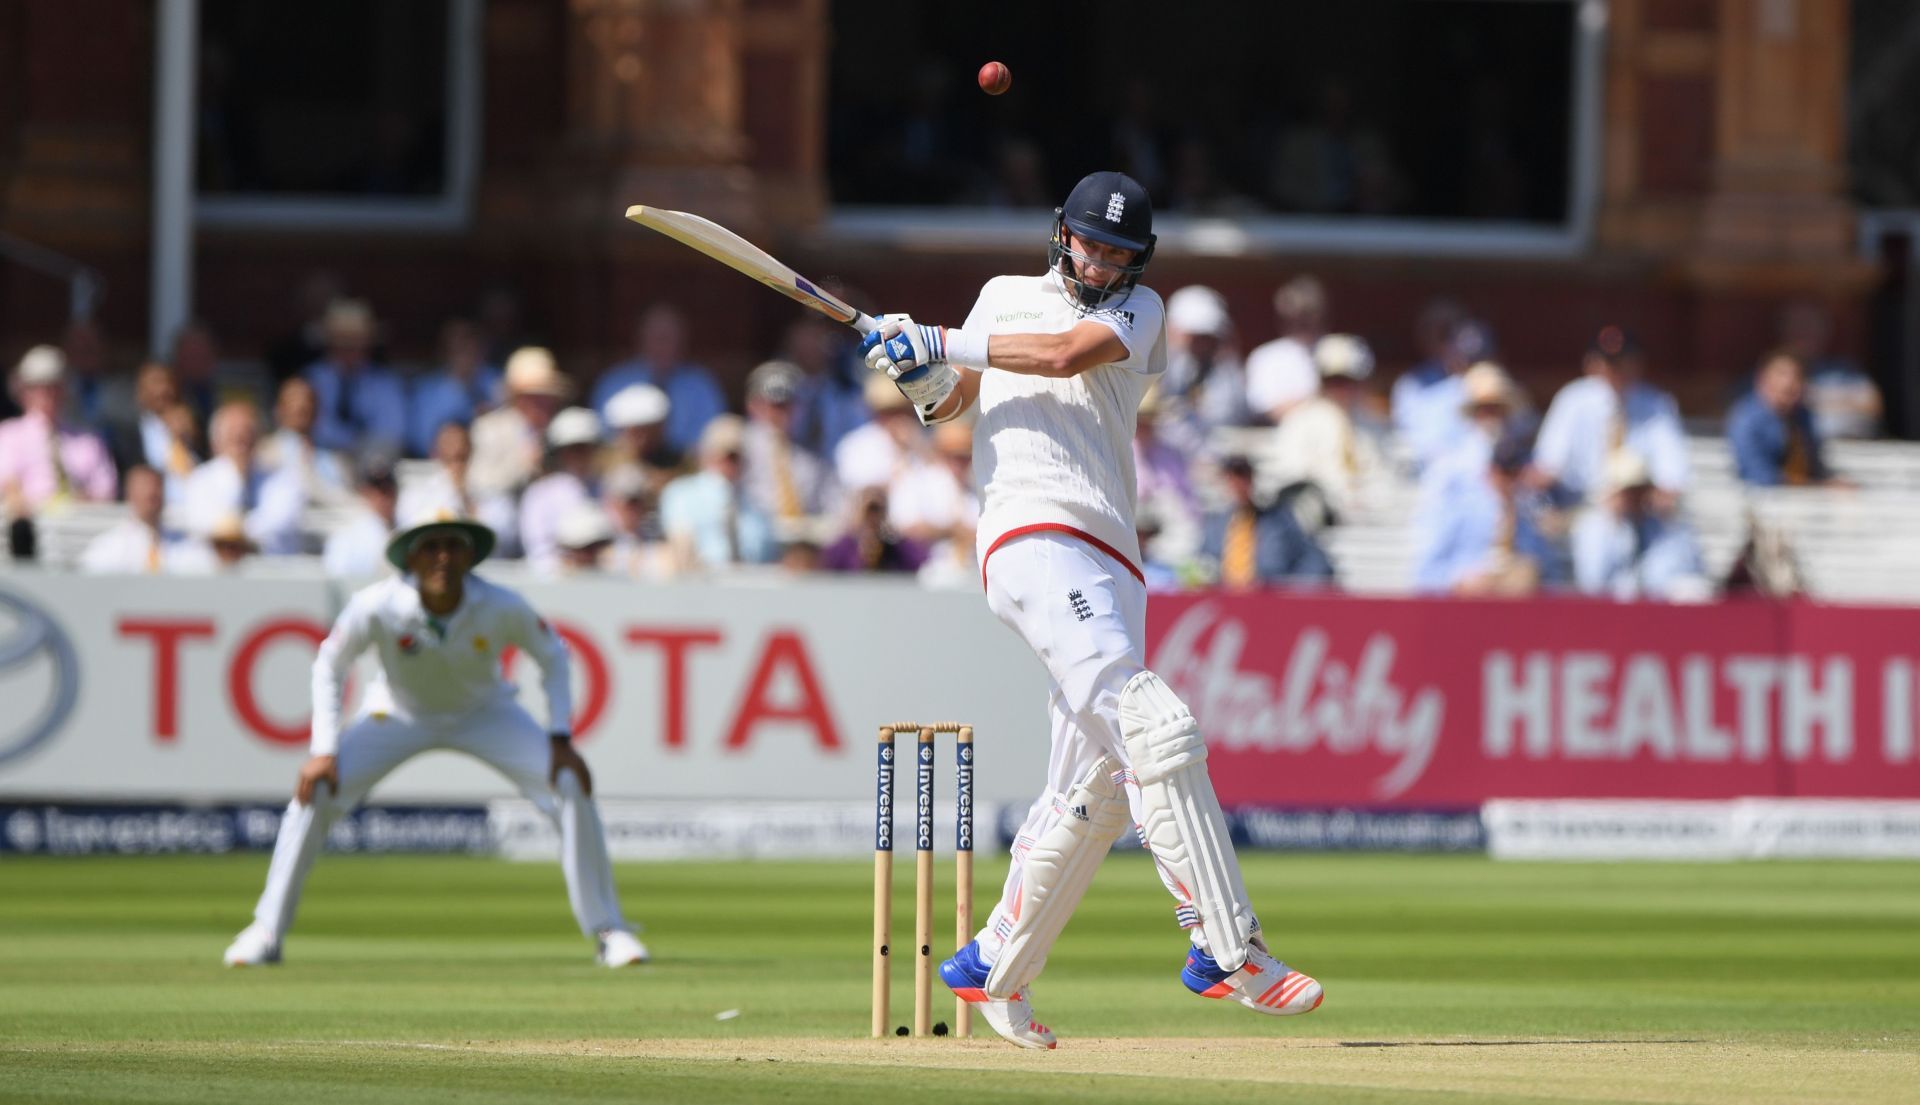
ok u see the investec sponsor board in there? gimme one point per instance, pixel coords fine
(62, 829)
(1743, 828)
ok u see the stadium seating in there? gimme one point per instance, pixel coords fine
(1855, 544)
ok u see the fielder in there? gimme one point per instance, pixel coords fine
(438, 632)
(1058, 364)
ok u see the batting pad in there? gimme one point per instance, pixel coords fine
(1181, 823)
(1056, 872)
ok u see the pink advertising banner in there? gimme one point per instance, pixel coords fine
(1325, 701)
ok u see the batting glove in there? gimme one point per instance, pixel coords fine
(901, 345)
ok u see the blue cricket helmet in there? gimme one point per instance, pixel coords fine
(1111, 208)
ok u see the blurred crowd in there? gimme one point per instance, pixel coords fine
(1247, 458)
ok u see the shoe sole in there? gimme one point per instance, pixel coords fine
(1282, 992)
(974, 995)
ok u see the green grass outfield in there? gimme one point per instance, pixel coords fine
(1449, 979)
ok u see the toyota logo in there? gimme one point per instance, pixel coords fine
(30, 640)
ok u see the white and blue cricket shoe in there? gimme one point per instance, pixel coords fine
(619, 948)
(1012, 1017)
(254, 947)
(1262, 984)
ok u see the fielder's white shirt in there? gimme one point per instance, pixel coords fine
(435, 668)
(1058, 454)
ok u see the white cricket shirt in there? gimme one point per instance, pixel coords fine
(1058, 454)
(435, 667)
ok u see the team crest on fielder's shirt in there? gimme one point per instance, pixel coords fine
(408, 644)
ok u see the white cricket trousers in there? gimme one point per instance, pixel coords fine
(1085, 615)
(504, 737)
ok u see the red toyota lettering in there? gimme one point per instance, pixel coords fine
(166, 635)
(784, 651)
(240, 678)
(593, 668)
(674, 644)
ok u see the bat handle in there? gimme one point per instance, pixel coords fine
(864, 322)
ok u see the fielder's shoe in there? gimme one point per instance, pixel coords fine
(1263, 984)
(254, 947)
(1011, 1017)
(619, 948)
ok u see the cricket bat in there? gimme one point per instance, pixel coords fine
(737, 253)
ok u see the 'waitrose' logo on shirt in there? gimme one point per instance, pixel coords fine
(1018, 316)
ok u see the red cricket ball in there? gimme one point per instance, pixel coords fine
(995, 78)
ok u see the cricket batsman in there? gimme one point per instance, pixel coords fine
(1058, 364)
(438, 632)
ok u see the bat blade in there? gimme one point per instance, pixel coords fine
(742, 256)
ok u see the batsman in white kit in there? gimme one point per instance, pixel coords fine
(438, 633)
(1058, 364)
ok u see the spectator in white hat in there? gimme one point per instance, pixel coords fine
(510, 440)
(637, 424)
(1206, 385)
(660, 358)
(44, 459)
(1626, 548)
(1330, 441)
(573, 439)
(1281, 374)
(1492, 407)
(582, 541)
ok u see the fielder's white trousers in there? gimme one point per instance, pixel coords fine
(1085, 615)
(503, 736)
